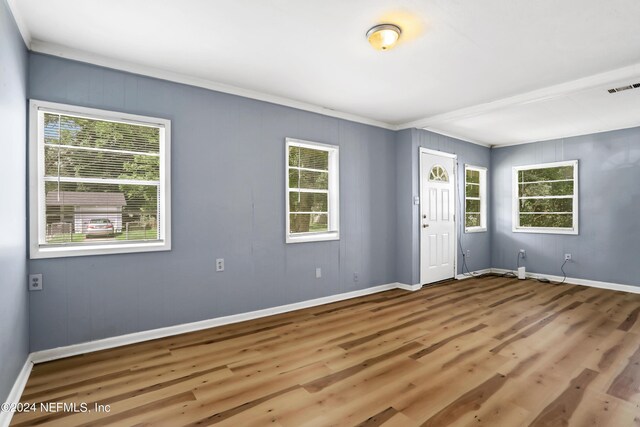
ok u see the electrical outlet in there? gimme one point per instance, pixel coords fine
(220, 264)
(356, 277)
(523, 253)
(468, 255)
(567, 257)
(35, 282)
(318, 273)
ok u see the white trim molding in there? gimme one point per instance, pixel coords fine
(565, 135)
(410, 288)
(576, 281)
(454, 181)
(431, 123)
(482, 199)
(144, 70)
(332, 191)
(38, 247)
(137, 337)
(473, 274)
(548, 92)
(16, 391)
(438, 153)
(515, 199)
(20, 22)
(452, 135)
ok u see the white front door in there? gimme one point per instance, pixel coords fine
(437, 217)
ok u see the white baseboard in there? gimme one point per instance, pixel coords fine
(16, 391)
(575, 281)
(411, 288)
(464, 276)
(107, 343)
(136, 337)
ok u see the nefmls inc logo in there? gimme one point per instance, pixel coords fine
(64, 407)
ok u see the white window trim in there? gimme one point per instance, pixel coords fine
(37, 192)
(483, 199)
(516, 206)
(334, 193)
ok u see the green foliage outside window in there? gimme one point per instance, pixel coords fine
(545, 197)
(79, 148)
(473, 215)
(308, 210)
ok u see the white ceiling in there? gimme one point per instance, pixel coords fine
(468, 68)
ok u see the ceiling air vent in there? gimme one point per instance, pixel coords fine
(623, 88)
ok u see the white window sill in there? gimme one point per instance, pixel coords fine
(42, 252)
(313, 237)
(475, 230)
(546, 230)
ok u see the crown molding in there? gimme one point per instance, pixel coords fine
(430, 123)
(550, 92)
(563, 136)
(455, 136)
(87, 57)
(20, 22)
(103, 61)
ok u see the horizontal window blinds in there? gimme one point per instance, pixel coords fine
(101, 180)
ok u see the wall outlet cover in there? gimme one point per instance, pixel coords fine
(35, 282)
(220, 264)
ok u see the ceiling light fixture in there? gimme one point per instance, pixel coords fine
(384, 36)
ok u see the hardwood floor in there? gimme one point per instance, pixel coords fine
(487, 351)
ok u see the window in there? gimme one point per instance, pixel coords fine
(475, 199)
(545, 198)
(438, 174)
(99, 182)
(312, 201)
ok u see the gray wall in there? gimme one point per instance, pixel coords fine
(408, 186)
(608, 245)
(227, 202)
(14, 320)
(407, 261)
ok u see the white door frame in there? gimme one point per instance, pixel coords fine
(455, 204)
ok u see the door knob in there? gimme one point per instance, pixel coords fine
(425, 225)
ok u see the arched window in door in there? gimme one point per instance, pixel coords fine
(438, 174)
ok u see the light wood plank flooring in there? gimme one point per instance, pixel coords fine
(487, 351)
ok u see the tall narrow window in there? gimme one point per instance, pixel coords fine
(312, 200)
(99, 180)
(545, 198)
(475, 201)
